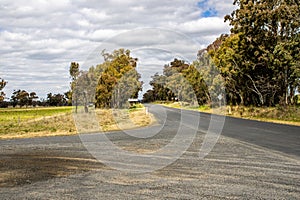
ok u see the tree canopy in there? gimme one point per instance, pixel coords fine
(258, 63)
(23, 98)
(260, 59)
(109, 84)
(2, 85)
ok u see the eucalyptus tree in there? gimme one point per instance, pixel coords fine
(260, 59)
(2, 85)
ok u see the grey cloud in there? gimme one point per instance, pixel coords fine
(39, 39)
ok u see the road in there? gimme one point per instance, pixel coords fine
(250, 160)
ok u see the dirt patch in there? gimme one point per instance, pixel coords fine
(29, 167)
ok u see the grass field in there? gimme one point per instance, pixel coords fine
(284, 115)
(32, 122)
(18, 115)
(22, 122)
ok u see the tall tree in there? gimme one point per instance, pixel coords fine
(2, 85)
(118, 81)
(20, 97)
(32, 98)
(229, 62)
(262, 54)
(178, 82)
(159, 90)
(56, 99)
(128, 86)
(197, 83)
(74, 73)
(85, 88)
(205, 77)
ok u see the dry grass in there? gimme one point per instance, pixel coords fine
(64, 123)
(104, 120)
(283, 115)
(123, 119)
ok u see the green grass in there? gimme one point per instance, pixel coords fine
(18, 115)
(169, 103)
(204, 108)
(19, 121)
(135, 107)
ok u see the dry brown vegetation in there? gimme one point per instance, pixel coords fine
(283, 115)
(21, 126)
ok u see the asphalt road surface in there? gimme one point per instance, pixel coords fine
(248, 160)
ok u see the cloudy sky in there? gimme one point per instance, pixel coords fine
(39, 39)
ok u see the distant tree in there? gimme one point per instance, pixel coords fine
(74, 74)
(84, 92)
(20, 97)
(68, 96)
(74, 71)
(2, 85)
(149, 96)
(127, 87)
(23, 98)
(180, 87)
(166, 87)
(179, 81)
(32, 98)
(56, 99)
(176, 82)
(175, 67)
(14, 99)
(159, 90)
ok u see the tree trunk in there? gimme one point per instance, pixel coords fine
(242, 99)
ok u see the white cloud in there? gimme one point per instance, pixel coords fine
(39, 38)
(205, 25)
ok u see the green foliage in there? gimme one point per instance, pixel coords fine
(2, 85)
(118, 81)
(74, 74)
(23, 98)
(260, 59)
(56, 100)
(196, 84)
(259, 62)
(211, 83)
(84, 92)
(136, 106)
(109, 84)
(204, 107)
(74, 71)
(159, 91)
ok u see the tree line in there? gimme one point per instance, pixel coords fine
(258, 62)
(197, 83)
(260, 59)
(22, 98)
